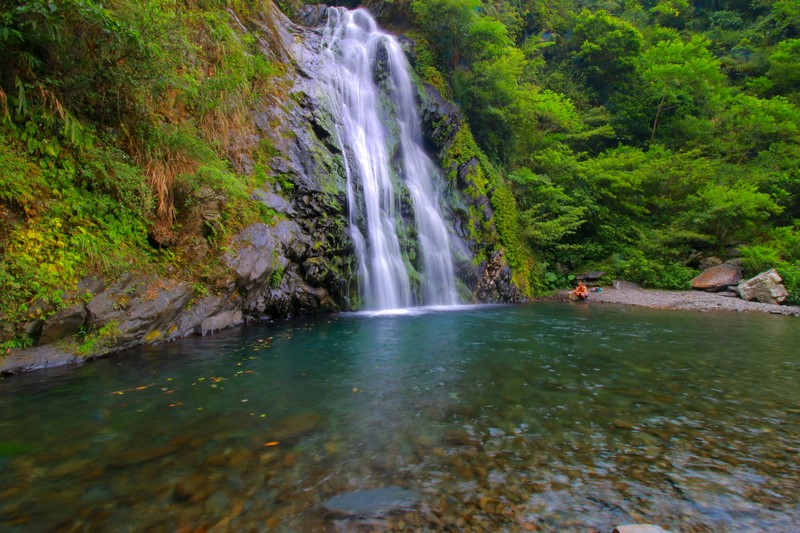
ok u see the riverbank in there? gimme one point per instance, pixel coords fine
(683, 300)
(49, 356)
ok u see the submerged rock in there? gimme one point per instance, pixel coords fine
(639, 528)
(373, 503)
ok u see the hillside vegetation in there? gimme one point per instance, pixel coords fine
(625, 136)
(121, 124)
(633, 135)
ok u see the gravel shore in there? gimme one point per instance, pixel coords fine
(686, 300)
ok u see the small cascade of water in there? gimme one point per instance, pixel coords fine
(355, 46)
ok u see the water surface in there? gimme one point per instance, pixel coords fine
(549, 417)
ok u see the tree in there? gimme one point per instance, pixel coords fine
(606, 49)
(681, 78)
(729, 213)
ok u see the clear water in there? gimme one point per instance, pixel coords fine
(547, 417)
(379, 131)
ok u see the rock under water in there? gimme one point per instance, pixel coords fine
(372, 503)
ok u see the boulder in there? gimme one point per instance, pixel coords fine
(718, 278)
(219, 309)
(50, 355)
(221, 321)
(765, 288)
(708, 262)
(622, 285)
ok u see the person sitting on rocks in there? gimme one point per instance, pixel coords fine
(580, 292)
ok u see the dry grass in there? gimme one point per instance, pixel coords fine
(161, 173)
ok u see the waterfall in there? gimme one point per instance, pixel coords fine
(372, 125)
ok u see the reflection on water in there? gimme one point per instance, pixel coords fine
(548, 417)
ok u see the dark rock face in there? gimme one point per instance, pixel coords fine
(495, 284)
(492, 281)
(64, 323)
(440, 119)
(718, 278)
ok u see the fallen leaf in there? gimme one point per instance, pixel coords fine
(120, 392)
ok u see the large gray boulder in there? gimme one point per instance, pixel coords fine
(718, 278)
(766, 288)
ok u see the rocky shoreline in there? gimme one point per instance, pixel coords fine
(50, 355)
(683, 300)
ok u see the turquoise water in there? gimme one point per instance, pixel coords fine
(547, 417)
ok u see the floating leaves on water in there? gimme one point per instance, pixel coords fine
(272, 442)
(176, 404)
(121, 392)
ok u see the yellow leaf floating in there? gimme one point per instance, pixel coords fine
(121, 392)
(271, 443)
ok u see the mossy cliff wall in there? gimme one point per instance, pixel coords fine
(282, 249)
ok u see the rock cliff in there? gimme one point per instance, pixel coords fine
(298, 262)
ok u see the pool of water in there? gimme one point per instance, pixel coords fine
(545, 417)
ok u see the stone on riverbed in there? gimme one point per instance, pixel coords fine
(639, 528)
(373, 503)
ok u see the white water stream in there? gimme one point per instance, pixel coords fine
(368, 131)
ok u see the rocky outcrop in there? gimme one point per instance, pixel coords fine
(495, 284)
(64, 323)
(440, 119)
(470, 213)
(718, 278)
(297, 261)
(766, 288)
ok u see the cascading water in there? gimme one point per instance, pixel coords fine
(355, 46)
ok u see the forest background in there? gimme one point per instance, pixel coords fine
(633, 137)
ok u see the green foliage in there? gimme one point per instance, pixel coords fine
(98, 341)
(635, 266)
(681, 78)
(606, 51)
(548, 214)
(116, 120)
(790, 274)
(727, 213)
(780, 251)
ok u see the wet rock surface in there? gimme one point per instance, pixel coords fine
(495, 284)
